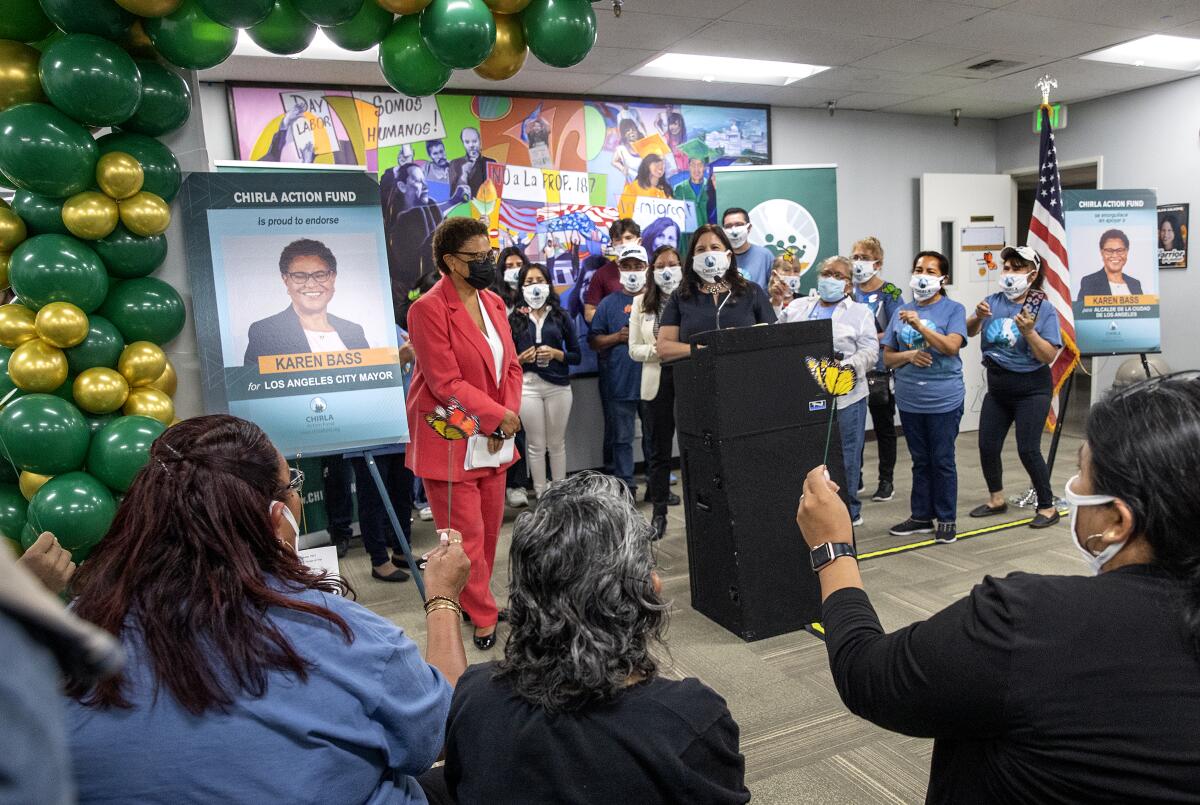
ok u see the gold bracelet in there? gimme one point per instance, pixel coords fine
(443, 605)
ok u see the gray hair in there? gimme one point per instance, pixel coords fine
(835, 260)
(582, 604)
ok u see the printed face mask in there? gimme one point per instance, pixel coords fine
(792, 281)
(537, 294)
(1095, 561)
(737, 234)
(863, 271)
(924, 286)
(1014, 285)
(710, 266)
(667, 279)
(511, 275)
(633, 281)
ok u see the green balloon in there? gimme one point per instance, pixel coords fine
(57, 268)
(12, 512)
(166, 101)
(237, 13)
(364, 30)
(101, 347)
(145, 309)
(460, 33)
(121, 449)
(188, 38)
(285, 30)
(6, 384)
(97, 422)
(24, 21)
(44, 434)
(91, 79)
(45, 152)
(128, 255)
(8, 473)
(42, 214)
(159, 165)
(76, 508)
(100, 17)
(559, 32)
(406, 61)
(329, 12)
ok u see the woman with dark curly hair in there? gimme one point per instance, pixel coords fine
(577, 710)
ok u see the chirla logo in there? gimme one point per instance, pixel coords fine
(318, 405)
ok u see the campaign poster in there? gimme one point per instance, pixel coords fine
(1172, 235)
(292, 301)
(1112, 246)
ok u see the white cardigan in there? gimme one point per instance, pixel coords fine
(642, 347)
(853, 336)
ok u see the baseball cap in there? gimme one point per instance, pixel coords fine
(633, 251)
(1024, 252)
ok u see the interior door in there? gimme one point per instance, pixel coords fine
(968, 217)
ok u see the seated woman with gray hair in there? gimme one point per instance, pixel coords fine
(577, 711)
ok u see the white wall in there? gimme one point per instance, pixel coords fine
(1146, 138)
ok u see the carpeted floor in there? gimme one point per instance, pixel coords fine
(800, 743)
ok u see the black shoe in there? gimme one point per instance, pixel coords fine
(659, 524)
(985, 510)
(673, 499)
(485, 643)
(910, 527)
(395, 575)
(945, 533)
(342, 546)
(885, 491)
(1042, 521)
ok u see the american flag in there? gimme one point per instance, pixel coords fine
(1048, 237)
(519, 216)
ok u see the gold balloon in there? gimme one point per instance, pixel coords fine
(141, 363)
(403, 6)
(167, 382)
(17, 325)
(90, 215)
(19, 82)
(30, 482)
(150, 402)
(507, 6)
(119, 175)
(12, 229)
(37, 366)
(61, 324)
(508, 54)
(145, 214)
(5, 259)
(150, 8)
(100, 390)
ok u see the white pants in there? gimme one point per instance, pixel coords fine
(545, 409)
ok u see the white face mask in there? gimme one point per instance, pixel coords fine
(287, 515)
(537, 294)
(1095, 561)
(511, 275)
(1014, 285)
(633, 281)
(711, 266)
(737, 234)
(792, 281)
(864, 270)
(924, 286)
(667, 278)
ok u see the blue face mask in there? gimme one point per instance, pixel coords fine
(831, 289)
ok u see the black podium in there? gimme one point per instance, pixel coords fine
(752, 422)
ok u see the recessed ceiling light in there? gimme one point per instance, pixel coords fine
(1157, 50)
(727, 69)
(321, 48)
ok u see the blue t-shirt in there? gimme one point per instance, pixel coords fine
(1003, 342)
(884, 301)
(820, 311)
(932, 389)
(620, 375)
(371, 717)
(755, 265)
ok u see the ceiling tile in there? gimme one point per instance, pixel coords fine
(709, 9)
(634, 29)
(917, 57)
(602, 60)
(1024, 34)
(1149, 15)
(806, 96)
(902, 19)
(971, 106)
(749, 41)
(861, 80)
(870, 101)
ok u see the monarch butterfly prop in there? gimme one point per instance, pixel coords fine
(452, 422)
(836, 380)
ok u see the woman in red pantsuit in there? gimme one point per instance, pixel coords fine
(464, 351)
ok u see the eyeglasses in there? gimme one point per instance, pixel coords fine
(471, 257)
(295, 479)
(302, 277)
(1114, 252)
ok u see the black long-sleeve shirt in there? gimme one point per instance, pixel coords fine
(1036, 688)
(558, 332)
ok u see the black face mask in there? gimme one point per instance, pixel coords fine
(482, 273)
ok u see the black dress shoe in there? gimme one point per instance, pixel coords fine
(1042, 521)
(342, 546)
(395, 575)
(673, 499)
(984, 510)
(485, 643)
(659, 524)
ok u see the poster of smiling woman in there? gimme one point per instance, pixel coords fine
(293, 307)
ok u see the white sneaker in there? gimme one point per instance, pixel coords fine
(857, 521)
(426, 514)
(516, 497)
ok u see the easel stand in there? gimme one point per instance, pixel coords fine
(369, 457)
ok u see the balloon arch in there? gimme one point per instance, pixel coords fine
(85, 386)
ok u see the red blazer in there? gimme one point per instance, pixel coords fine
(453, 359)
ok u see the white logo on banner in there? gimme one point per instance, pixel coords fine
(403, 119)
(648, 209)
(784, 226)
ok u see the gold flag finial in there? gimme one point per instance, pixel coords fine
(1045, 84)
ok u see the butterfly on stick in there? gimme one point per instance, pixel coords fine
(452, 422)
(836, 380)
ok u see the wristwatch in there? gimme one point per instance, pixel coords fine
(825, 553)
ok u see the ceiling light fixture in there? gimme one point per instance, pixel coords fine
(727, 69)
(1158, 50)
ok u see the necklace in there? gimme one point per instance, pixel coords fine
(715, 287)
